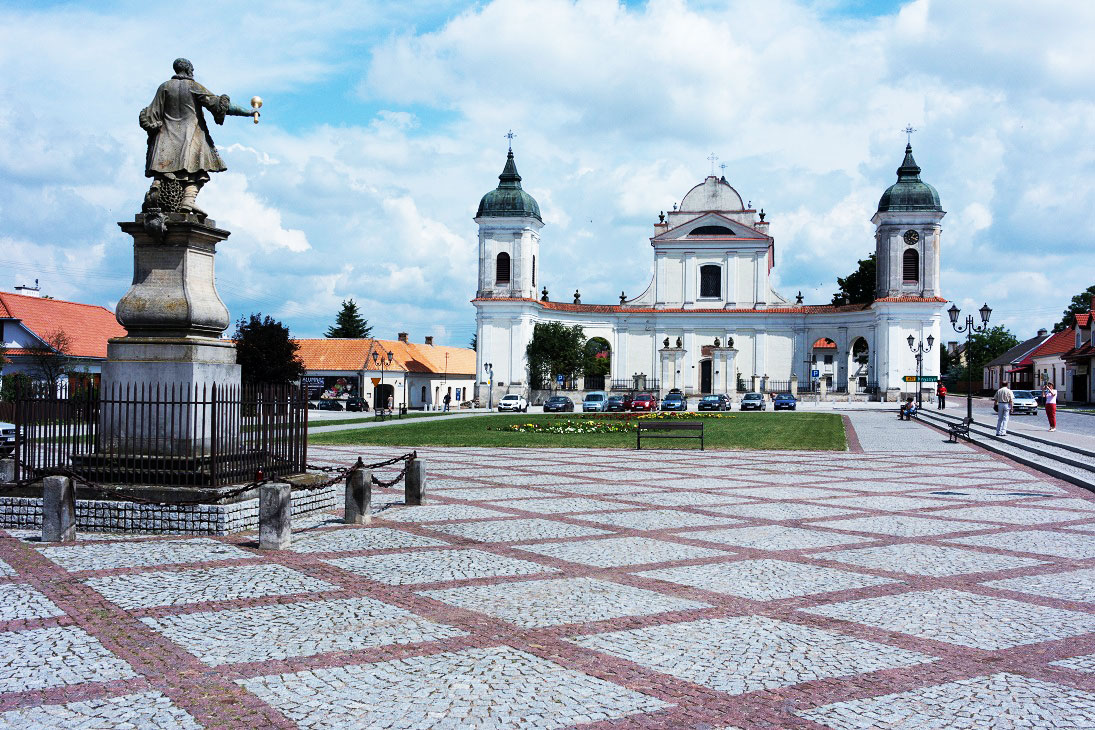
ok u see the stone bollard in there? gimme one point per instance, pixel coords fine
(7, 470)
(58, 510)
(275, 527)
(359, 497)
(415, 491)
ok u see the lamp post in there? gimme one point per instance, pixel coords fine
(919, 350)
(489, 368)
(969, 329)
(378, 360)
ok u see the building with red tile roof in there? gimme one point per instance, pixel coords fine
(713, 255)
(1079, 360)
(32, 326)
(418, 374)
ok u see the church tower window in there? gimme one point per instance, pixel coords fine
(501, 269)
(711, 281)
(910, 266)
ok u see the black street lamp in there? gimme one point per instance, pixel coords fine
(919, 350)
(489, 368)
(969, 329)
(378, 360)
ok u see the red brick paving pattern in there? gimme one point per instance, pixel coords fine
(214, 697)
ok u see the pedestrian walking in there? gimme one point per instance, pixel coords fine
(1049, 392)
(1002, 403)
(448, 400)
(391, 404)
(941, 392)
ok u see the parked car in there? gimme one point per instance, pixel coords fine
(619, 403)
(753, 402)
(784, 400)
(7, 438)
(717, 402)
(1026, 401)
(513, 402)
(558, 404)
(356, 404)
(644, 402)
(675, 401)
(325, 404)
(595, 401)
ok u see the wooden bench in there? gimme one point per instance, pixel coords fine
(959, 429)
(677, 429)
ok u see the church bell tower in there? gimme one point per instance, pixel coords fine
(907, 232)
(509, 238)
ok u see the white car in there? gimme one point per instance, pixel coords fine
(513, 402)
(1026, 401)
(7, 439)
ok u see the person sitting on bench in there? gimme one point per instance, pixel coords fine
(908, 410)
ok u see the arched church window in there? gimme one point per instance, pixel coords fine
(911, 266)
(710, 281)
(501, 269)
(711, 231)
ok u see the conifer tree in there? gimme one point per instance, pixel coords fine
(349, 323)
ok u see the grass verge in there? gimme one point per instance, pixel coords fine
(318, 423)
(807, 431)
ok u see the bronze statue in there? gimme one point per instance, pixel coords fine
(181, 153)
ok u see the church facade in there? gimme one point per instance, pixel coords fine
(710, 321)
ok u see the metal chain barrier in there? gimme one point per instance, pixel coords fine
(339, 473)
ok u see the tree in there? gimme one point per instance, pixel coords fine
(474, 343)
(50, 359)
(983, 348)
(596, 356)
(349, 323)
(555, 349)
(858, 286)
(1082, 302)
(265, 352)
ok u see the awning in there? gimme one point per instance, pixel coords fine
(1023, 369)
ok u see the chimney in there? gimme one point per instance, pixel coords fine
(1042, 332)
(402, 337)
(29, 291)
(429, 340)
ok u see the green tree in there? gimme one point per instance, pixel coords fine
(1080, 303)
(474, 342)
(983, 348)
(858, 286)
(265, 351)
(596, 356)
(349, 323)
(555, 349)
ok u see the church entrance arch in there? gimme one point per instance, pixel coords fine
(705, 376)
(859, 365)
(597, 363)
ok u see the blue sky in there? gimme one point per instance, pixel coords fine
(383, 125)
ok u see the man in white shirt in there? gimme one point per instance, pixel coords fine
(1003, 401)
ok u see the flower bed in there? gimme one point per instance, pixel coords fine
(603, 422)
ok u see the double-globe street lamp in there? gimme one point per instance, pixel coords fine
(969, 329)
(378, 360)
(919, 350)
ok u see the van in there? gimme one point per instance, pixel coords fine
(596, 401)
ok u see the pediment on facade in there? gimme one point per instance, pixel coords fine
(710, 227)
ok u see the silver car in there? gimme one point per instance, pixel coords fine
(595, 401)
(1026, 401)
(7, 439)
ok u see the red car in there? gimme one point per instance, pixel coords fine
(644, 402)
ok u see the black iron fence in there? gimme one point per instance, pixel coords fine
(176, 435)
(777, 386)
(642, 384)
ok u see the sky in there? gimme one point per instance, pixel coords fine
(384, 124)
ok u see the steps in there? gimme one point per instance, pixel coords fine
(1070, 463)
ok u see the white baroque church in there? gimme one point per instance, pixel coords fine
(709, 321)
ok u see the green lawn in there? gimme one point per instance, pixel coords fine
(810, 431)
(317, 423)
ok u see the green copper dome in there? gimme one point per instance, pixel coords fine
(909, 192)
(508, 199)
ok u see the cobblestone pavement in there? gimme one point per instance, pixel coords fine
(554, 588)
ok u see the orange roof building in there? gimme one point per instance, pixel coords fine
(418, 374)
(33, 327)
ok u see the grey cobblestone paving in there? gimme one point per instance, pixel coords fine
(436, 566)
(145, 711)
(539, 603)
(767, 653)
(999, 701)
(51, 657)
(680, 604)
(764, 580)
(261, 633)
(958, 617)
(176, 588)
(492, 687)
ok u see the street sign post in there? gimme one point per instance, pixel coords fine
(923, 378)
(815, 373)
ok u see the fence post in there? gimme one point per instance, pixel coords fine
(58, 510)
(275, 528)
(7, 470)
(414, 492)
(359, 496)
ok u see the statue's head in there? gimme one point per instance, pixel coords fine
(183, 67)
